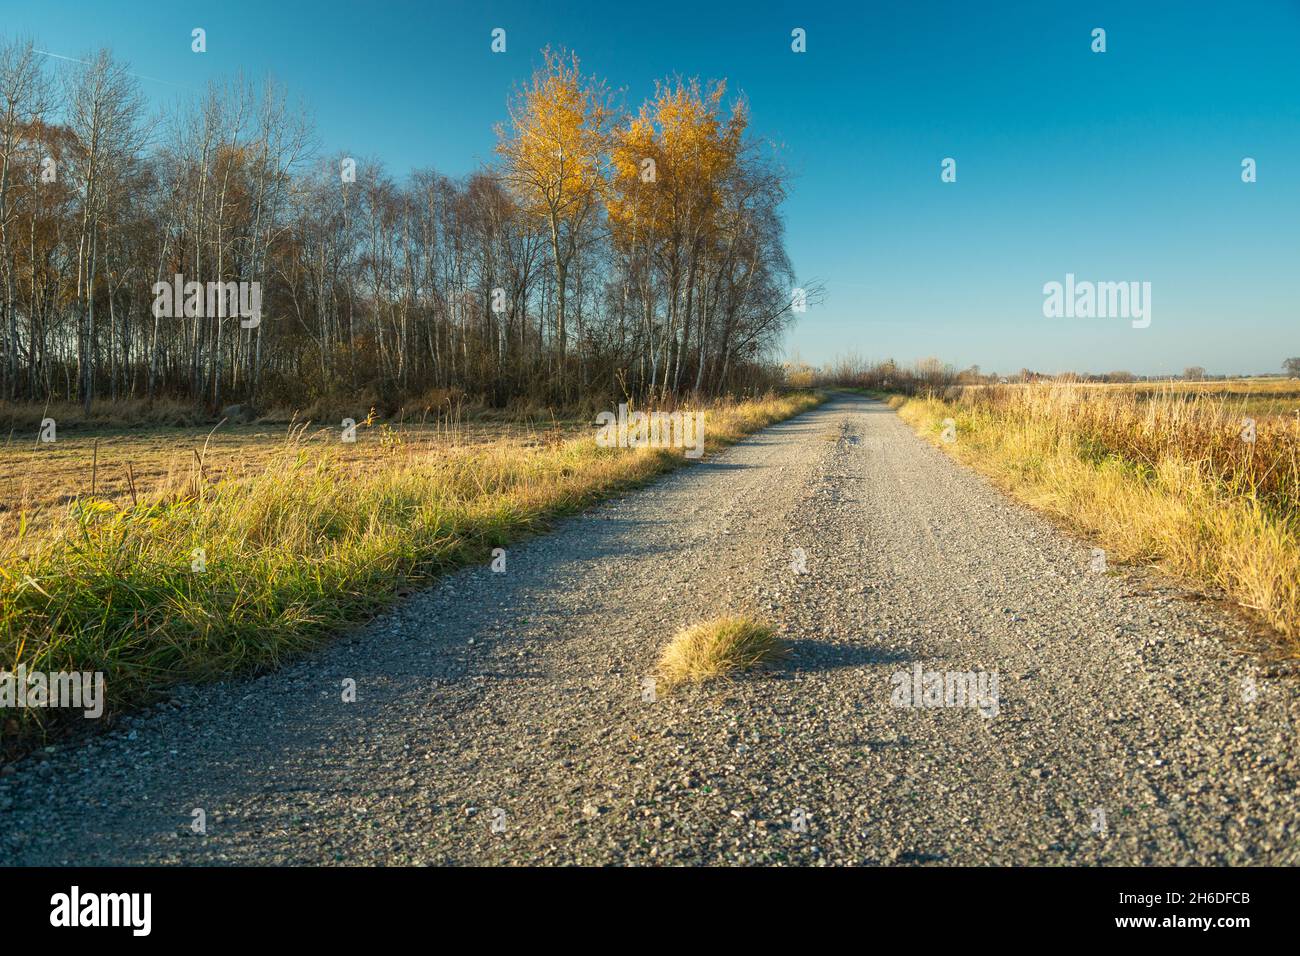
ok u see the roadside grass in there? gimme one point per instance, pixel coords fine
(289, 553)
(1167, 480)
(718, 648)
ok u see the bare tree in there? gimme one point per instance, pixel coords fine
(23, 102)
(105, 113)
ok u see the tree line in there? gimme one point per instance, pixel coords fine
(602, 252)
(931, 376)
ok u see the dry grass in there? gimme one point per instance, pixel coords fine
(25, 418)
(1154, 476)
(1276, 398)
(118, 465)
(311, 537)
(718, 648)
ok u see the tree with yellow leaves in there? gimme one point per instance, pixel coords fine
(554, 153)
(672, 164)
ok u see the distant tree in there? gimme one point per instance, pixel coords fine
(1123, 377)
(1194, 373)
(1292, 366)
(935, 373)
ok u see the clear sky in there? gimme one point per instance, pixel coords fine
(1115, 166)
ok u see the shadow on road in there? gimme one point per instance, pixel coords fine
(814, 656)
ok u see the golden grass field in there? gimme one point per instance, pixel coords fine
(39, 481)
(1157, 473)
(1257, 397)
(299, 534)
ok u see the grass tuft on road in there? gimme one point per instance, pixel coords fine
(240, 573)
(718, 648)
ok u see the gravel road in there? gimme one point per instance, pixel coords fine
(501, 718)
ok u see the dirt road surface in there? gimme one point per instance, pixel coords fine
(502, 718)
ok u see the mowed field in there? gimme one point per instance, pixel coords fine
(119, 465)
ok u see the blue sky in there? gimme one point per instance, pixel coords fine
(1120, 166)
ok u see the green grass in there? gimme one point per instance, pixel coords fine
(293, 552)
